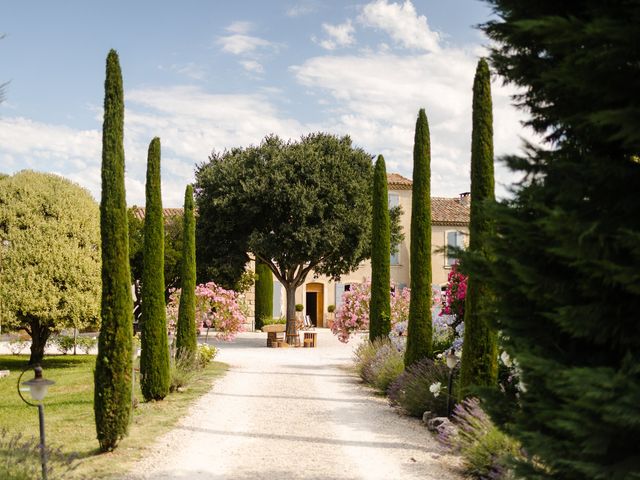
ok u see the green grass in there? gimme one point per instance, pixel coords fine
(69, 412)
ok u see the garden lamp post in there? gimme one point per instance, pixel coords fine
(38, 387)
(452, 360)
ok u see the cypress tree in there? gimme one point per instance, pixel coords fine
(479, 366)
(112, 397)
(154, 358)
(264, 293)
(186, 337)
(380, 305)
(419, 334)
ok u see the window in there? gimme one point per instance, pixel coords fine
(394, 200)
(454, 240)
(395, 257)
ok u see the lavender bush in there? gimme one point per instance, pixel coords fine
(379, 363)
(421, 387)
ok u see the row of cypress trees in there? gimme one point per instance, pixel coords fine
(479, 360)
(114, 373)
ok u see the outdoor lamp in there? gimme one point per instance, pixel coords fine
(452, 360)
(38, 387)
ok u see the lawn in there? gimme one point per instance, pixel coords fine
(69, 412)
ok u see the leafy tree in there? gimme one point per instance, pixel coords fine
(154, 356)
(263, 293)
(186, 335)
(567, 254)
(173, 226)
(291, 204)
(419, 331)
(112, 398)
(49, 256)
(479, 366)
(380, 306)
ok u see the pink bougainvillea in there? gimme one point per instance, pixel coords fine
(353, 314)
(215, 307)
(455, 294)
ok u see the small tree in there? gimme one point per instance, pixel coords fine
(419, 333)
(263, 293)
(380, 307)
(112, 397)
(186, 337)
(49, 256)
(479, 366)
(154, 357)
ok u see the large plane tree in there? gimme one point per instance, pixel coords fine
(298, 206)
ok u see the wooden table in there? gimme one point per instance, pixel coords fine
(310, 339)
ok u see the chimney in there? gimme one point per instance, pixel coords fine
(465, 198)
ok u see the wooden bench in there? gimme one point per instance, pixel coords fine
(275, 334)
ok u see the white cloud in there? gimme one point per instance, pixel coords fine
(301, 9)
(402, 23)
(339, 35)
(239, 44)
(191, 70)
(252, 66)
(240, 27)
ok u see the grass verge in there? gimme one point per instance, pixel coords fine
(69, 412)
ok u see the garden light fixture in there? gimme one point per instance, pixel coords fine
(38, 387)
(452, 360)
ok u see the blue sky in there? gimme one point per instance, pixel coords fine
(207, 75)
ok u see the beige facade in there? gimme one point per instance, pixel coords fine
(450, 225)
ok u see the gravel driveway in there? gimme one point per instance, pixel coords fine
(294, 414)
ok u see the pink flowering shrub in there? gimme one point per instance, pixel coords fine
(353, 315)
(215, 307)
(453, 301)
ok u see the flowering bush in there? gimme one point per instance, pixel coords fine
(353, 314)
(379, 363)
(215, 307)
(455, 294)
(421, 387)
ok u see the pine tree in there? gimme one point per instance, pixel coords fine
(154, 357)
(380, 305)
(566, 256)
(264, 293)
(186, 335)
(112, 397)
(479, 366)
(419, 334)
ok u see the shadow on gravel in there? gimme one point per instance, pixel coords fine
(251, 372)
(262, 474)
(306, 439)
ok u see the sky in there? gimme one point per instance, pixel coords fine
(212, 75)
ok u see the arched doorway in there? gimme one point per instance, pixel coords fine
(315, 303)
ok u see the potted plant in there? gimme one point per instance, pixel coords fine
(299, 309)
(330, 315)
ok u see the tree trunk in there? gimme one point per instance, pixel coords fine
(39, 336)
(292, 328)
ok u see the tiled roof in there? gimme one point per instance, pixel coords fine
(138, 212)
(450, 211)
(398, 182)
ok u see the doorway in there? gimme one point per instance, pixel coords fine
(315, 304)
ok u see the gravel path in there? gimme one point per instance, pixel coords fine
(294, 414)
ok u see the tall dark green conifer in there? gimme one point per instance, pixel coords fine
(186, 335)
(154, 358)
(263, 293)
(419, 335)
(380, 305)
(479, 365)
(112, 397)
(566, 257)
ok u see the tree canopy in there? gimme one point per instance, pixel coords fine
(299, 206)
(49, 256)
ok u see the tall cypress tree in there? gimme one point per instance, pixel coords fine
(380, 305)
(263, 293)
(186, 336)
(419, 334)
(479, 365)
(154, 358)
(112, 397)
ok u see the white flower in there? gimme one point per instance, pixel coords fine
(435, 388)
(504, 356)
